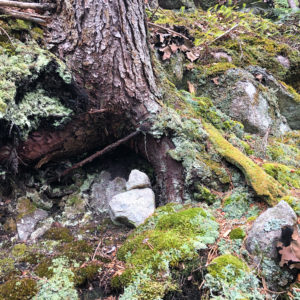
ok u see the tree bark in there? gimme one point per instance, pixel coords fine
(104, 44)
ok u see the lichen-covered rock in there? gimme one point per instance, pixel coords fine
(104, 189)
(137, 180)
(266, 230)
(132, 207)
(28, 218)
(174, 234)
(253, 102)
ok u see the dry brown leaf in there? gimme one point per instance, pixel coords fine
(216, 80)
(191, 56)
(167, 52)
(191, 88)
(174, 47)
(259, 77)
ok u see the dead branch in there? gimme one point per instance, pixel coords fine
(101, 152)
(40, 6)
(223, 34)
(25, 16)
(168, 29)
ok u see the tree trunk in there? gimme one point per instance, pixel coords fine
(104, 44)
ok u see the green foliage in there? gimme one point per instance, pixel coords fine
(60, 286)
(173, 234)
(204, 194)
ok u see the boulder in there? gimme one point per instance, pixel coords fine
(26, 225)
(132, 207)
(266, 230)
(137, 180)
(252, 97)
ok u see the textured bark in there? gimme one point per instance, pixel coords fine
(104, 44)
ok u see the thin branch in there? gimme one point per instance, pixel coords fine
(24, 16)
(168, 29)
(41, 6)
(223, 34)
(101, 152)
(11, 41)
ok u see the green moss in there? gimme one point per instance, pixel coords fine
(44, 268)
(18, 289)
(218, 264)
(292, 91)
(294, 202)
(247, 148)
(264, 185)
(287, 176)
(77, 250)
(24, 207)
(86, 273)
(59, 234)
(6, 266)
(251, 219)
(173, 234)
(19, 250)
(204, 194)
(237, 233)
(218, 68)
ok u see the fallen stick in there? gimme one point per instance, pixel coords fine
(24, 16)
(101, 152)
(41, 6)
(167, 29)
(223, 34)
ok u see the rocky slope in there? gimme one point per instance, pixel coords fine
(230, 84)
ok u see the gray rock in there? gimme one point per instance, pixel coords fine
(251, 96)
(98, 199)
(41, 230)
(266, 230)
(116, 186)
(137, 180)
(26, 225)
(176, 4)
(132, 207)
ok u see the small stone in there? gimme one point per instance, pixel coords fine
(41, 230)
(266, 230)
(26, 225)
(132, 207)
(283, 61)
(137, 180)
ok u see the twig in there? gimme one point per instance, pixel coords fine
(41, 6)
(153, 14)
(168, 29)
(24, 16)
(101, 152)
(97, 111)
(223, 34)
(11, 41)
(99, 244)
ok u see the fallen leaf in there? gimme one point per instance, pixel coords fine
(216, 80)
(259, 77)
(191, 56)
(191, 88)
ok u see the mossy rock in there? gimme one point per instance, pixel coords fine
(86, 273)
(237, 234)
(43, 269)
(263, 184)
(218, 265)
(59, 234)
(76, 250)
(18, 289)
(172, 235)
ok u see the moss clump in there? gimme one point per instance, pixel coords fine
(25, 207)
(204, 194)
(59, 234)
(87, 273)
(218, 264)
(19, 250)
(292, 91)
(218, 68)
(77, 250)
(44, 268)
(173, 234)
(287, 176)
(237, 234)
(6, 266)
(18, 289)
(263, 184)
